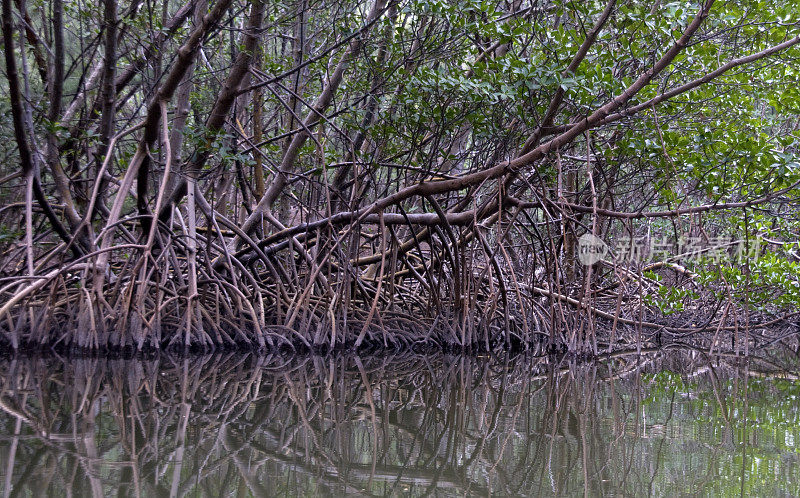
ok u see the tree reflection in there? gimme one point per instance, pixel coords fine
(443, 425)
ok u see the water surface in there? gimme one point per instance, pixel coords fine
(673, 424)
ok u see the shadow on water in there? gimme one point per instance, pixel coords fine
(664, 424)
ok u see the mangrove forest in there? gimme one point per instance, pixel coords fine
(539, 176)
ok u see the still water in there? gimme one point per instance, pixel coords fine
(674, 424)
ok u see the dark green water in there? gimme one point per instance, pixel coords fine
(673, 424)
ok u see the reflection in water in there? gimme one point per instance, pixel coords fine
(248, 426)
